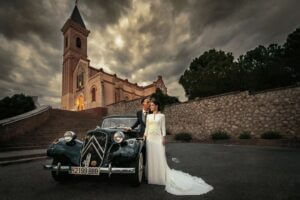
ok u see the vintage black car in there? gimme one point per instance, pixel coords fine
(108, 149)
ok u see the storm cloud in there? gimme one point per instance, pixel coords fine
(137, 39)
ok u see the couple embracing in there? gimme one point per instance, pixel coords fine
(157, 171)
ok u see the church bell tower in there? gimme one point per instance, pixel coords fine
(74, 48)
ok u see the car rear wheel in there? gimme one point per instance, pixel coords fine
(136, 178)
(59, 176)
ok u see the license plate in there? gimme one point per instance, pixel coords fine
(85, 170)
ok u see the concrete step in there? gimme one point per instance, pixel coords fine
(13, 157)
(25, 147)
(58, 123)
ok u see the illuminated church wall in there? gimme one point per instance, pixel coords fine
(85, 87)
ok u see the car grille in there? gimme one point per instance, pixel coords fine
(93, 153)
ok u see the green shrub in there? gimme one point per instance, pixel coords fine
(271, 135)
(220, 135)
(245, 135)
(163, 99)
(186, 137)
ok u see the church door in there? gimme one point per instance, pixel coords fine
(80, 103)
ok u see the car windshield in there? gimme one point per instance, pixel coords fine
(118, 122)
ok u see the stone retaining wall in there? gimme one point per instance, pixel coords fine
(124, 107)
(276, 110)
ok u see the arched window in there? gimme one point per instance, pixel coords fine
(93, 94)
(80, 80)
(78, 42)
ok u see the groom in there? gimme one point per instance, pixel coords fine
(142, 116)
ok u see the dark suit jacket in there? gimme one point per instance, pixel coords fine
(140, 122)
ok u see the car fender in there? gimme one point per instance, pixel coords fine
(127, 151)
(66, 152)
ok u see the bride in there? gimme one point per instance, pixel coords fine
(157, 170)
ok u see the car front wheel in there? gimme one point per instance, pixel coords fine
(137, 177)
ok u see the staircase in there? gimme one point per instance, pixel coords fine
(58, 123)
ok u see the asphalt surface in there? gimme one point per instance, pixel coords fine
(235, 172)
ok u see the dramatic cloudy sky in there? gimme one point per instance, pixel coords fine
(137, 39)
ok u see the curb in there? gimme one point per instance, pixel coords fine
(5, 149)
(21, 160)
(18, 157)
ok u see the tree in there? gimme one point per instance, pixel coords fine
(264, 68)
(15, 105)
(292, 54)
(163, 99)
(212, 73)
(215, 72)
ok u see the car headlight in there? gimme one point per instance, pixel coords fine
(69, 136)
(119, 137)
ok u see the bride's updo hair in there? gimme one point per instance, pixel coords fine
(157, 103)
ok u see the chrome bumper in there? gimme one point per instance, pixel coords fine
(107, 170)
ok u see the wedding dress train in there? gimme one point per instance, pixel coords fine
(157, 169)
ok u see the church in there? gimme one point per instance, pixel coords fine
(86, 87)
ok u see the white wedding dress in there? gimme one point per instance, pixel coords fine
(157, 169)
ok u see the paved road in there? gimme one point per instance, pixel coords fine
(236, 172)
